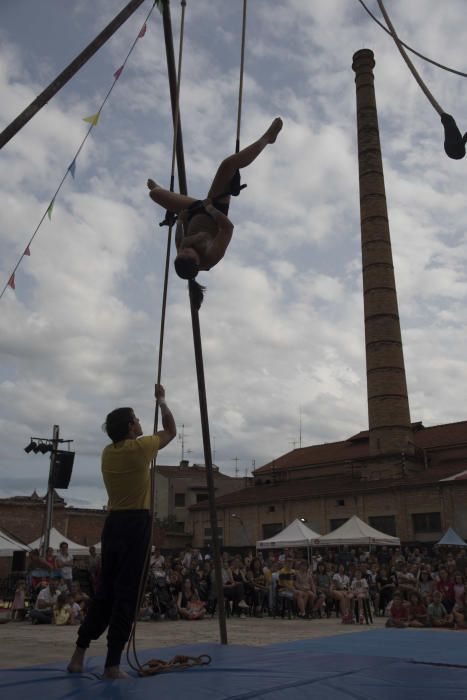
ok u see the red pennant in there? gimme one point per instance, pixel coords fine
(142, 32)
(27, 251)
(118, 73)
(11, 281)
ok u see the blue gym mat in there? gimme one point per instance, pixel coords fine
(373, 665)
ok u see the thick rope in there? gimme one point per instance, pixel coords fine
(409, 63)
(177, 663)
(240, 87)
(142, 586)
(409, 48)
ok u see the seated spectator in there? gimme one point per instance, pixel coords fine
(79, 597)
(18, 609)
(287, 588)
(418, 615)
(340, 591)
(359, 588)
(189, 606)
(234, 591)
(259, 586)
(43, 610)
(398, 611)
(406, 581)
(425, 585)
(323, 587)
(459, 588)
(437, 613)
(237, 571)
(304, 581)
(62, 614)
(459, 613)
(446, 587)
(64, 564)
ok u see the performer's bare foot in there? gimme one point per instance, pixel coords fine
(151, 184)
(112, 673)
(271, 134)
(76, 664)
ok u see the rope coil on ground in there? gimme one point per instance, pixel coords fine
(177, 663)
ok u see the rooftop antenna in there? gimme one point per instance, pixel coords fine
(236, 460)
(300, 427)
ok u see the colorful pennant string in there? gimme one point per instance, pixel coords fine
(93, 121)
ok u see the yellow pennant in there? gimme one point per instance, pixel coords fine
(93, 119)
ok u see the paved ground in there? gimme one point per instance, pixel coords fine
(23, 644)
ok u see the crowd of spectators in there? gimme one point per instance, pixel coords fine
(411, 586)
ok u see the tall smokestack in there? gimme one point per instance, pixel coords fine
(388, 404)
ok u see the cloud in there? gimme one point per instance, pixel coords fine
(282, 322)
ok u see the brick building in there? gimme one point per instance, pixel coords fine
(416, 497)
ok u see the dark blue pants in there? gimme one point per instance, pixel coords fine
(125, 540)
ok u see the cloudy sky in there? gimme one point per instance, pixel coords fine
(282, 321)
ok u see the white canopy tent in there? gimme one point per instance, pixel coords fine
(54, 541)
(297, 534)
(356, 532)
(451, 539)
(8, 545)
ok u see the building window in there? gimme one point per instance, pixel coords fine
(179, 500)
(340, 502)
(384, 523)
(271, 509)
(334, 523)
(201, 497)
(271, 529)
(426, 522)
(208, 532)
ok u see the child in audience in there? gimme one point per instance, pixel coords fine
(418, 616)
(62, 614)
(398, 612)
(437, 613)
(18, 609)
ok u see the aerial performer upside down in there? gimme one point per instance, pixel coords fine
(204, 230)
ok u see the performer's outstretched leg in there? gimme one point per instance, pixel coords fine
(229, 166)
(173, 201)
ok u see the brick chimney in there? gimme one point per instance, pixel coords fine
(388, 404)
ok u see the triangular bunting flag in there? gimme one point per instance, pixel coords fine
(11, 281)
(27, 251)
(50, 209)
(118, 73)
(72, 168)
(93, 119)
(142, 32)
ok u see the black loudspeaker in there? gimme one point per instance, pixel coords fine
(62, 468)
(19, 561)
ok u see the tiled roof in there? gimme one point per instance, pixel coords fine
(326, 486)
(197, 470)
(357, 447)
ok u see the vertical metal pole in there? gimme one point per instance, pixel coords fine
(203, 407)
(168, 35)
(50, 492)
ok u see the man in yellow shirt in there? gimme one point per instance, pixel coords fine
(126, 533)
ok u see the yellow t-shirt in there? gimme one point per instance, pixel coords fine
(125, 469)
